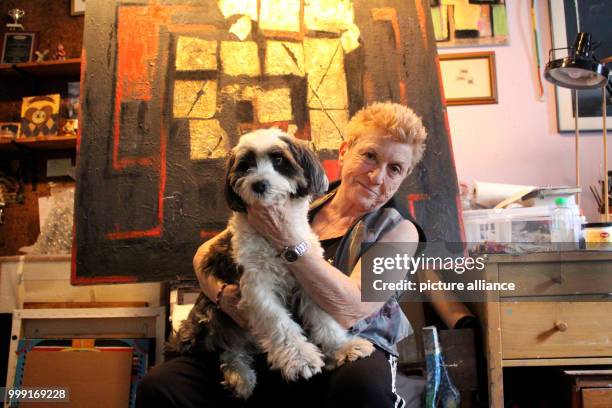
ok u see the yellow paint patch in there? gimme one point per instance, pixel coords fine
(284, 58)
(241, 7)
(207, 140)
(326, 128)
(193, 54)
(241, 28)
(273, 105)
(280, 15)
(324, 61)
(240, 58)
(194, 99)
(328, 15)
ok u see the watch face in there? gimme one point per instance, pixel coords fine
(290, 255)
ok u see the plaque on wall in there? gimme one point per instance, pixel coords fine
(17, 47)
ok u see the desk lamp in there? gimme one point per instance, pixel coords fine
(581, 70)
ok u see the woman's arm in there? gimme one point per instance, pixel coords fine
(336, 293)
(211, 286)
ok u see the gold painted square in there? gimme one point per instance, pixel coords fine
(208, 140)
(195, 54)
(280, 15)
(273, 105)
(238, 7)
(331, 16)
(194, 99)
(241, 28)
(241, 92)
(284, 58)
(324, 62)
(240, 58)
(325, 133)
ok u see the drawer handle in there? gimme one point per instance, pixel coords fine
(561, 325)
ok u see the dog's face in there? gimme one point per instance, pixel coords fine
(270, 167)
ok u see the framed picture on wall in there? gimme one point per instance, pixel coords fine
(595, 17)
(469, 78)
(77, 7)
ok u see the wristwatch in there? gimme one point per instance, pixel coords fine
(292, 253)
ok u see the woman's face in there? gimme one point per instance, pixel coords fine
(372, 170)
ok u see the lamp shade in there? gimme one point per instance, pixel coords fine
(579, 70)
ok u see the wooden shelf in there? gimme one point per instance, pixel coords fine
(47, 69)
(39, 143)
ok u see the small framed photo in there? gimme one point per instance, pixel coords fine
(40, 116)
(469, 78)
(17, 47)
(9, 130)
(77, 7)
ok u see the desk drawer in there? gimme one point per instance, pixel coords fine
(557, 278)
(556, 329)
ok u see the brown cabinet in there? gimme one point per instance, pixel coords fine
(559, 315)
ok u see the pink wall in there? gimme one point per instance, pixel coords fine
(516, 141)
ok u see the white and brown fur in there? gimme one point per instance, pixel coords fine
(272, 168)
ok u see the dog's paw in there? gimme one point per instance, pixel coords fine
(240, 382)
(307, 362)
(352, 350)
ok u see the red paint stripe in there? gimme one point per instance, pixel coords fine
(81, 280)
(412, 198)
(96, 348)
(422, 17)
(440, 85)
(116, 123)
(332, 169)
(208, 234)
(450, 148)
(153, 232)
(460, 216)
(162, 174)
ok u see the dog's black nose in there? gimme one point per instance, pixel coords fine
(260, 187)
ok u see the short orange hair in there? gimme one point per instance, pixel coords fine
(391, 119)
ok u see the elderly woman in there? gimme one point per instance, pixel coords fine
(385, 141)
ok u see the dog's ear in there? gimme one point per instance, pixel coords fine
(233, 200)
(314, 174)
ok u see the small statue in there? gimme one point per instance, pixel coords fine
(41, 56)
(60, 52)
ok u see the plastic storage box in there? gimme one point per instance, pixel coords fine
(529, 225)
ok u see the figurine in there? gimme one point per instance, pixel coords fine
(60, 52)
(41, 56)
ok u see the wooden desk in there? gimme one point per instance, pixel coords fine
(560, 313)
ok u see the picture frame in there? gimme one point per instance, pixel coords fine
(40, 116)
(469, 24)
(77, 7)
(563, 29)
(9, 130)
(18, 47)
(469, 78)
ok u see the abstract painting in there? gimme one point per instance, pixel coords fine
(465, 23)
(171, 85)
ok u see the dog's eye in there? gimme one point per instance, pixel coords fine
(277, 159)
(243, 166)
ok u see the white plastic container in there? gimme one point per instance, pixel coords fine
(529, 224)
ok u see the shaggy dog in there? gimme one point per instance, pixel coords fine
(272, 168)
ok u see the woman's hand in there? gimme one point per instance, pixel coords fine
(273, 223)
(229, 304)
